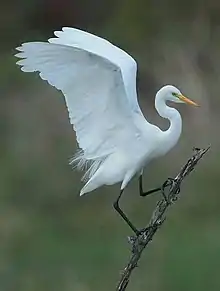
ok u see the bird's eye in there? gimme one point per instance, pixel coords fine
(174, 94)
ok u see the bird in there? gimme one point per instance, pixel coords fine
(98, 81)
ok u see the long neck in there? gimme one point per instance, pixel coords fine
(172, 134)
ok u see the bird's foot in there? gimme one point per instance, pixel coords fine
(138, 233)
(137, 240)
(169, 183)
(143, 231)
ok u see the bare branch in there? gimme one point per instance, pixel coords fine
(158, 217)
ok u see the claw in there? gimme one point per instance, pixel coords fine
(163, 191)
(143, 230)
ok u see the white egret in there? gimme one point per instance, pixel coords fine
(98, 81)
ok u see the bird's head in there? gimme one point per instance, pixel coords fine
(171, 93)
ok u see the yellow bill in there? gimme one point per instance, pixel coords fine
(187, 100)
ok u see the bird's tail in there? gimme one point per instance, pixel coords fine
(91, 185)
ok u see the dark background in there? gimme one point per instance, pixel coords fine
(50, 239)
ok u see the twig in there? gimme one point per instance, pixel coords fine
(158, 217)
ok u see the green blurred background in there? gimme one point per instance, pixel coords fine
(50, 239)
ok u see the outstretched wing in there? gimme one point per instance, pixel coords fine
(98, 81)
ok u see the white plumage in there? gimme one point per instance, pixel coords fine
(98, 81)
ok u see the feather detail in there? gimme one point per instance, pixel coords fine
(80, 162)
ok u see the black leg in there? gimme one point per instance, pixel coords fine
(118, 209)
(143, 194)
